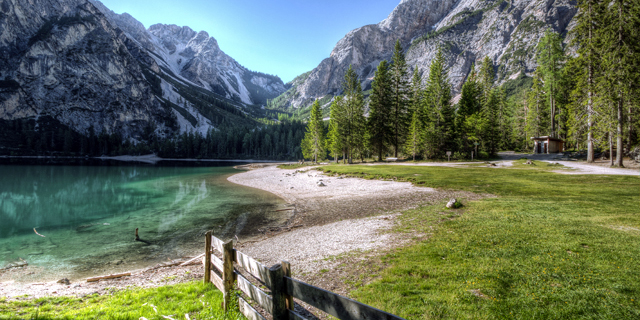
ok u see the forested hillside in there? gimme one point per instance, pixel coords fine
(588, 98)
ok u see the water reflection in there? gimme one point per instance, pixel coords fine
(57, 197)
(88, 215)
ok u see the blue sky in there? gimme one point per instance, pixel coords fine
(281, 37)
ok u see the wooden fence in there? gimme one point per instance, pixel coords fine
(279, 302)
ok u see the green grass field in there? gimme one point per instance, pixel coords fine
(195, 299)
(549, 246)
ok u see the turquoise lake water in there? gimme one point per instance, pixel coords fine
(88, 215)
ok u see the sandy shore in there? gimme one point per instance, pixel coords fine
(346, 215)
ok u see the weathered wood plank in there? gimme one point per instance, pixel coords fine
(257, 295)
(217, 244)
(295, 316)
(286, 268)
(334, 304)
(217, 262)
(254, 267)
(228, 277)
(278, 294)
(248, 310)
(217, 281)
(207, 256)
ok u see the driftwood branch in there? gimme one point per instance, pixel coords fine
(111, 276)
(16, 265)
(192, 261)
(34, 230)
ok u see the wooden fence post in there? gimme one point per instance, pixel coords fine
(280, 311)
(286, 270)
(228, 277)
(207, 257)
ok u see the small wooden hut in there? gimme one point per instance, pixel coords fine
(547, 145)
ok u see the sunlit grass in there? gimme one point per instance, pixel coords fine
(550, 246)
(193, 299)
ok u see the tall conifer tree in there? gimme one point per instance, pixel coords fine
(621, 61)
(379, 127)
(440, 126)
(399, 116)
(335, 141)
(551, 60)
(587, 30)
(415, 135)
(313, 145)
(352, 122)
(469, 105)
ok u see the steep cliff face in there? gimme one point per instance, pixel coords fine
(77, 64)
(64, 60)
(507, 31)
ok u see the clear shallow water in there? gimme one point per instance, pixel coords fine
(88, 215)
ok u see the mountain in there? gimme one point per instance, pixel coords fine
(74, 67)
(197, 58)
(507, 31)
(62, 61)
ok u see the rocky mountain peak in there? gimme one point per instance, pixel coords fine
(72, 66)
(467, 30)
(412, 16)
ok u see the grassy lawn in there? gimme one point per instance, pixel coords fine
(195, 299)
(549, 246)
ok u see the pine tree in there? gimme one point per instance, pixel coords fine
(486, 78)
(413, 142)
(416, 93)
(504, 118)
(352, 122)
(620, 61)
(551, 59)
(334, 139)
(586, 32)
(491, 124)
(537, 119)
(439, 114)
(469, 105)
(313, 145)
(399, 116)
(379, 127)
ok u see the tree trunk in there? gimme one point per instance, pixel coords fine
(611, 148)
(590, 151)
(619, 154)
(619, 157)
(630, 129)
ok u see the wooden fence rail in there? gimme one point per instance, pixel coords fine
(279, 302)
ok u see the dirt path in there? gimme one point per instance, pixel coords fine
(584, 168)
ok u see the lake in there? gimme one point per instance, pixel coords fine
(85, 214)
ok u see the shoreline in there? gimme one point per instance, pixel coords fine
(346, 215)
(150, 158)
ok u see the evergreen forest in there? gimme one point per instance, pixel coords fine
(584, 92)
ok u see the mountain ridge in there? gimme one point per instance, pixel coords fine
(506, 31)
